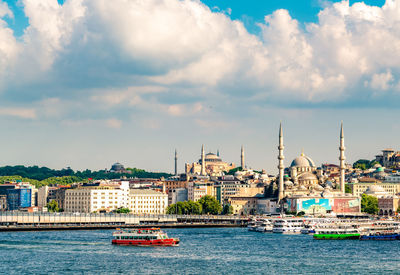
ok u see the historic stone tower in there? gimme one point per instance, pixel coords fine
(242, 164)
(342, 159)
(281, 166)
(176, 163)
(203, 161)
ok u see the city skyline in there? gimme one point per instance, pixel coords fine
(88, 83)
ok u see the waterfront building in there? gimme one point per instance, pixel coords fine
(210, 164)
(226, 187)
(3, 202)
(19, 198)
(199, 189)
(174, 183)
(357, 189)
(97, 197)
(245, 205)
(179, 194)
(43, 191)
(147, 201)
(388, 205)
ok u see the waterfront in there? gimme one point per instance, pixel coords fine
(202, 251)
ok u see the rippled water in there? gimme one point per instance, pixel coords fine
(202, 251)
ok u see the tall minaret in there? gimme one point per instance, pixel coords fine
(176, 163)
(242, 158)
(342, 159)
(281, 167)
(203, 161)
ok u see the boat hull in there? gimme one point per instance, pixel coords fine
(350, 236)
(161, 242)
(389, 237)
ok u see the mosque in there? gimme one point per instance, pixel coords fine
(211, 164)
(303, 187)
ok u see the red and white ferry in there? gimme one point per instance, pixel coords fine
(143, 237)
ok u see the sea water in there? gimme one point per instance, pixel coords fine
(201, 251)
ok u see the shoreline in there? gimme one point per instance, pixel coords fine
(97, 227)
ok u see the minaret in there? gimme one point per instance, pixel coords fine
(176, 163)
(203, 161)
(281, 167)
(242, 158)
(342, 159)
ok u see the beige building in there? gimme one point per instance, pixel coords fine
(196, 190)
(357, 189)
(209, 164)
(388, 205)
(101, 198)
(147, 201)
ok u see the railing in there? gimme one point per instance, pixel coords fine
(17, 218)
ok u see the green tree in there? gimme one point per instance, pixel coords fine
(227, 210)
(185, 207)
(52, 206)
(210, 205)
(369, 204)
(122, 210)
(347, 189)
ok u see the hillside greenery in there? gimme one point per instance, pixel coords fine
(40, 176)
(364, 164)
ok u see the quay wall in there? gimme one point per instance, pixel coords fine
(42, 220)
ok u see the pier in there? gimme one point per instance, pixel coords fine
(23, 221)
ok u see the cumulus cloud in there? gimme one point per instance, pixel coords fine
(25, 113)
(175, 57)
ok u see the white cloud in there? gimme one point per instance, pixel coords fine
(26, 113)
(167, 56)
(113, 123)
(381, 81)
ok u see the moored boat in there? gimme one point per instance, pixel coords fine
(143, 237)
(288, 226)
(337, 233)
(265, 226)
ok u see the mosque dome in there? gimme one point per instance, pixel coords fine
(376, 190)
(307, 176)
(211, 157)
(117, 167)
(302, 161)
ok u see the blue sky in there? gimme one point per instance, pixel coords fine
(85, 83)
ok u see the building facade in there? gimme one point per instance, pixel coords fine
(147, 201)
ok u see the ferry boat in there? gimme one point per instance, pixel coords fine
(143, 237)
(265, 226)
(338, 232)
(381, 232)
(380, 236)
(288, 226)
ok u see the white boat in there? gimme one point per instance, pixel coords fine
(265, 226)
(288, 226)
(252, 225)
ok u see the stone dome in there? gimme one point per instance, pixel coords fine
(376, 190)
(307, 176)
(302, 161)
(117, 167)
(210, 157)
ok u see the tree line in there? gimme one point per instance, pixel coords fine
(40, 176)
(205, 205)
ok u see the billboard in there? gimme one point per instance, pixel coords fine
(324, 205)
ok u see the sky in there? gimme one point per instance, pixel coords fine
(86, 83)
